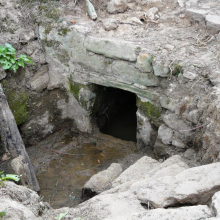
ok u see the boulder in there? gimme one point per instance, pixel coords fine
(192, 186)
(15, 210)
(103, 180)
(137, 171)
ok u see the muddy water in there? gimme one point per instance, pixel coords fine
(62, 183)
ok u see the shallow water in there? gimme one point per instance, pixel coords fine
(62, 183)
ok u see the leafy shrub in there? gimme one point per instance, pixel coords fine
(8, 58)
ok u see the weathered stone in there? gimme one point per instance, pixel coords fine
(196, 14)
(86, 98)
(214, 77)
(144, 128)
(190, 154)
(152, 13)
(165, 134)
(183, 213)
(190, 75)
(195, 186)
(103, 180)
(136, 171)
(27, 197)
(127, 72)
(79, 115)
(216, 204)
(149, 110)
(136, 20)
(168, 103)
(177, 124)
(112, 48)
(213, 22)
(110, 24)
(40, 80)
(117, 6)
(2, 74)
(160, 69)
(144, 63)
(16, 211)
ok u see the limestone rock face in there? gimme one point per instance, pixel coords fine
(103, 180)
(15, 210)
(136, 171)
(117, 6)
(194, 185)
(216, 204)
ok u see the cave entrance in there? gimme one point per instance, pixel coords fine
(116, 115)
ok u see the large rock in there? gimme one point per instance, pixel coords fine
(136, 171)
(15, 210)
(40, 80)
(183, 213)
(216, 204)
(195, 186)
(103, 180)
(116, 49)
(26, 197)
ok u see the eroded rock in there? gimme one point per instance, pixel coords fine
(102, 181)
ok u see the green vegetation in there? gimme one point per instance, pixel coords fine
(8, 58)
(17, 101)
(4, 177)
(61, 216)
(2, 214)
(151, 111)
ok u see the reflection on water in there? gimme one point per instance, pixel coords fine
(61, 185)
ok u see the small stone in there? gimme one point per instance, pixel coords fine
(190, 75)
(160, 69)
(136, 20)
(110, 24)
(169, 47)
(144, 63)
(117, 6)
(152, 12)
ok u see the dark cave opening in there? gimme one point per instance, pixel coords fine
(116, 115)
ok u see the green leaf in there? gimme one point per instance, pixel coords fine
(10, 48)
(2, 214)
(21, 63)
(6, 66)
(10, 177)
(61, 216)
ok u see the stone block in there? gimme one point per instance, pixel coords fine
(112, 48)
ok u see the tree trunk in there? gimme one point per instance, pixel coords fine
(14, 145)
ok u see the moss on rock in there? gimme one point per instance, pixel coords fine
(74, 88)
(151, 111)
(17, 101)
